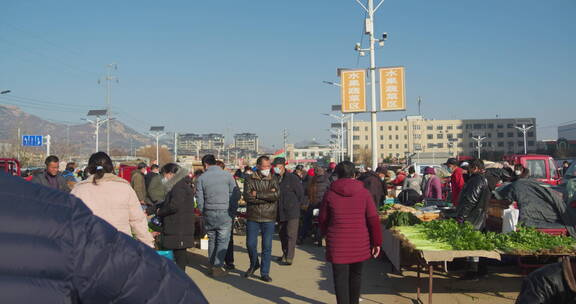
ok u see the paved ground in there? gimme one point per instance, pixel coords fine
(309, 281)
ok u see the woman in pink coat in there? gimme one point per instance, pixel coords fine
(431, 185)
(349, 220)
(112, 198)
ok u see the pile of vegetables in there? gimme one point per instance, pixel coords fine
(464, 237)
(399, 218)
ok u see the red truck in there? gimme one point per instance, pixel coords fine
(10, 166)
(541, 167)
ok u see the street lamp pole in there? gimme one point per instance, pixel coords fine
(524, 129)
(97, 123)
(157, 131)
(479, 140)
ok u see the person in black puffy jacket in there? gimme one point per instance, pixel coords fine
(54, 250)
(473, 201)
(551, 284)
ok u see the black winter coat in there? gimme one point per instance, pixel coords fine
(473, 202)
(375, 186)
(264, 206)
(315, 192)
(177, 213)
(551, 284)
(291, 197)
(54, 250)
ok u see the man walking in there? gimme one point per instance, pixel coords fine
(214, 191)
(261, 193)
(291, 198)
(236, 195)
(51, 177)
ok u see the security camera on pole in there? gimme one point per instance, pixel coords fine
(369, 30)
(157, 132)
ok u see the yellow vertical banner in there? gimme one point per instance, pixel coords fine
(353, 84)
(392, 89)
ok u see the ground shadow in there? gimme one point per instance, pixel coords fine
(252, 285)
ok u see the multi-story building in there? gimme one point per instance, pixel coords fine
(567, 132)
(246, 141)
(415, 134)
(308, 152)
(195, 144)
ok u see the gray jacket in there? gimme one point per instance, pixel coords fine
(42, 179)
(215, 190)
(414, 183)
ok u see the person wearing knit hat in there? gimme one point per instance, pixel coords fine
(431, 185)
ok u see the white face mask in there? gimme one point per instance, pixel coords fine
(164, 180)
(265, 172)
(277, 170)
(518, 172)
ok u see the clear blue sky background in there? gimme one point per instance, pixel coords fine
(257, 66)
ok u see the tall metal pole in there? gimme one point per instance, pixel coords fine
(97, 131)
(479, 140)
(157, 149)
(342, 137)
(373, 84)
(351, 136)
(108, 80)
(175, 146)
(524, 129)
(48, 143)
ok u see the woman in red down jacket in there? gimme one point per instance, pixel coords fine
(349, 220)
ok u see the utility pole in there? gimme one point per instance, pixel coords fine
(479, 140)
(97, 123)
(157, 132)
(285, 136)
(175, 146)
(108, 79)
(48, 143)
(419, 106)
(524, 129)
(369, 26)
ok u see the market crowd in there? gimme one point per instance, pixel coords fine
(111, 226)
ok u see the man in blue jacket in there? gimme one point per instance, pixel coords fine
(54, 250)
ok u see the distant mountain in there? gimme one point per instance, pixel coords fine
(81, 136)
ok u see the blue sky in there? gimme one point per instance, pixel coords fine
(257, 66)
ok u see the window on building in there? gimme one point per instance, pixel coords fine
(390, 146)
(417, 136)
(429, 128)
(439, 127)
(520, 134)
(510, 134)
(440, 145)
(382, 155)
(397, 137)
(356, 137)
(405, 137)
(530, 134)
(405, 128)
(449, 136)
(321, 153)
(489, 135)
(365, 146)
(381, 128)
(460, 135)
(459, 127)
(390, 155)
(389, 137)
(449, 127)
(510, 126)
(510, 144)
(396, 128)
(500, 135)
(381, 146)
(356, 128)
(366, 137)
(397, 146)
(296, 154)
(365, 128)
(491, 126)
(405, 146)
(430, 136)
(304, 154)
(389, 128)
(356, 147)
(381, 137)
(531, 143)
(417, 147)
(500, 144)
(460, 145)
(439, 136)
(521, 143)
(478, 126)
(500, 126)
(430, 146)
(489, 144)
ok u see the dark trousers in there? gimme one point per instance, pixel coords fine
(307, 221)
(347, 282)
(181, 258)
(229, 260)
(288, 236)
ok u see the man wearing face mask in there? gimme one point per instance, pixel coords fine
(261, 193)
(291, 198)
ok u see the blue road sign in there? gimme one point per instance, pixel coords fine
(32, 140)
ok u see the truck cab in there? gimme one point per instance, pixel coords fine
(541, 167)
(10, 166)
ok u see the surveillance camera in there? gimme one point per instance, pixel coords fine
(384, 36)
(362, 53)
(357, 46)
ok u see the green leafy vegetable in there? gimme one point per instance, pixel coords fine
(399, 218)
